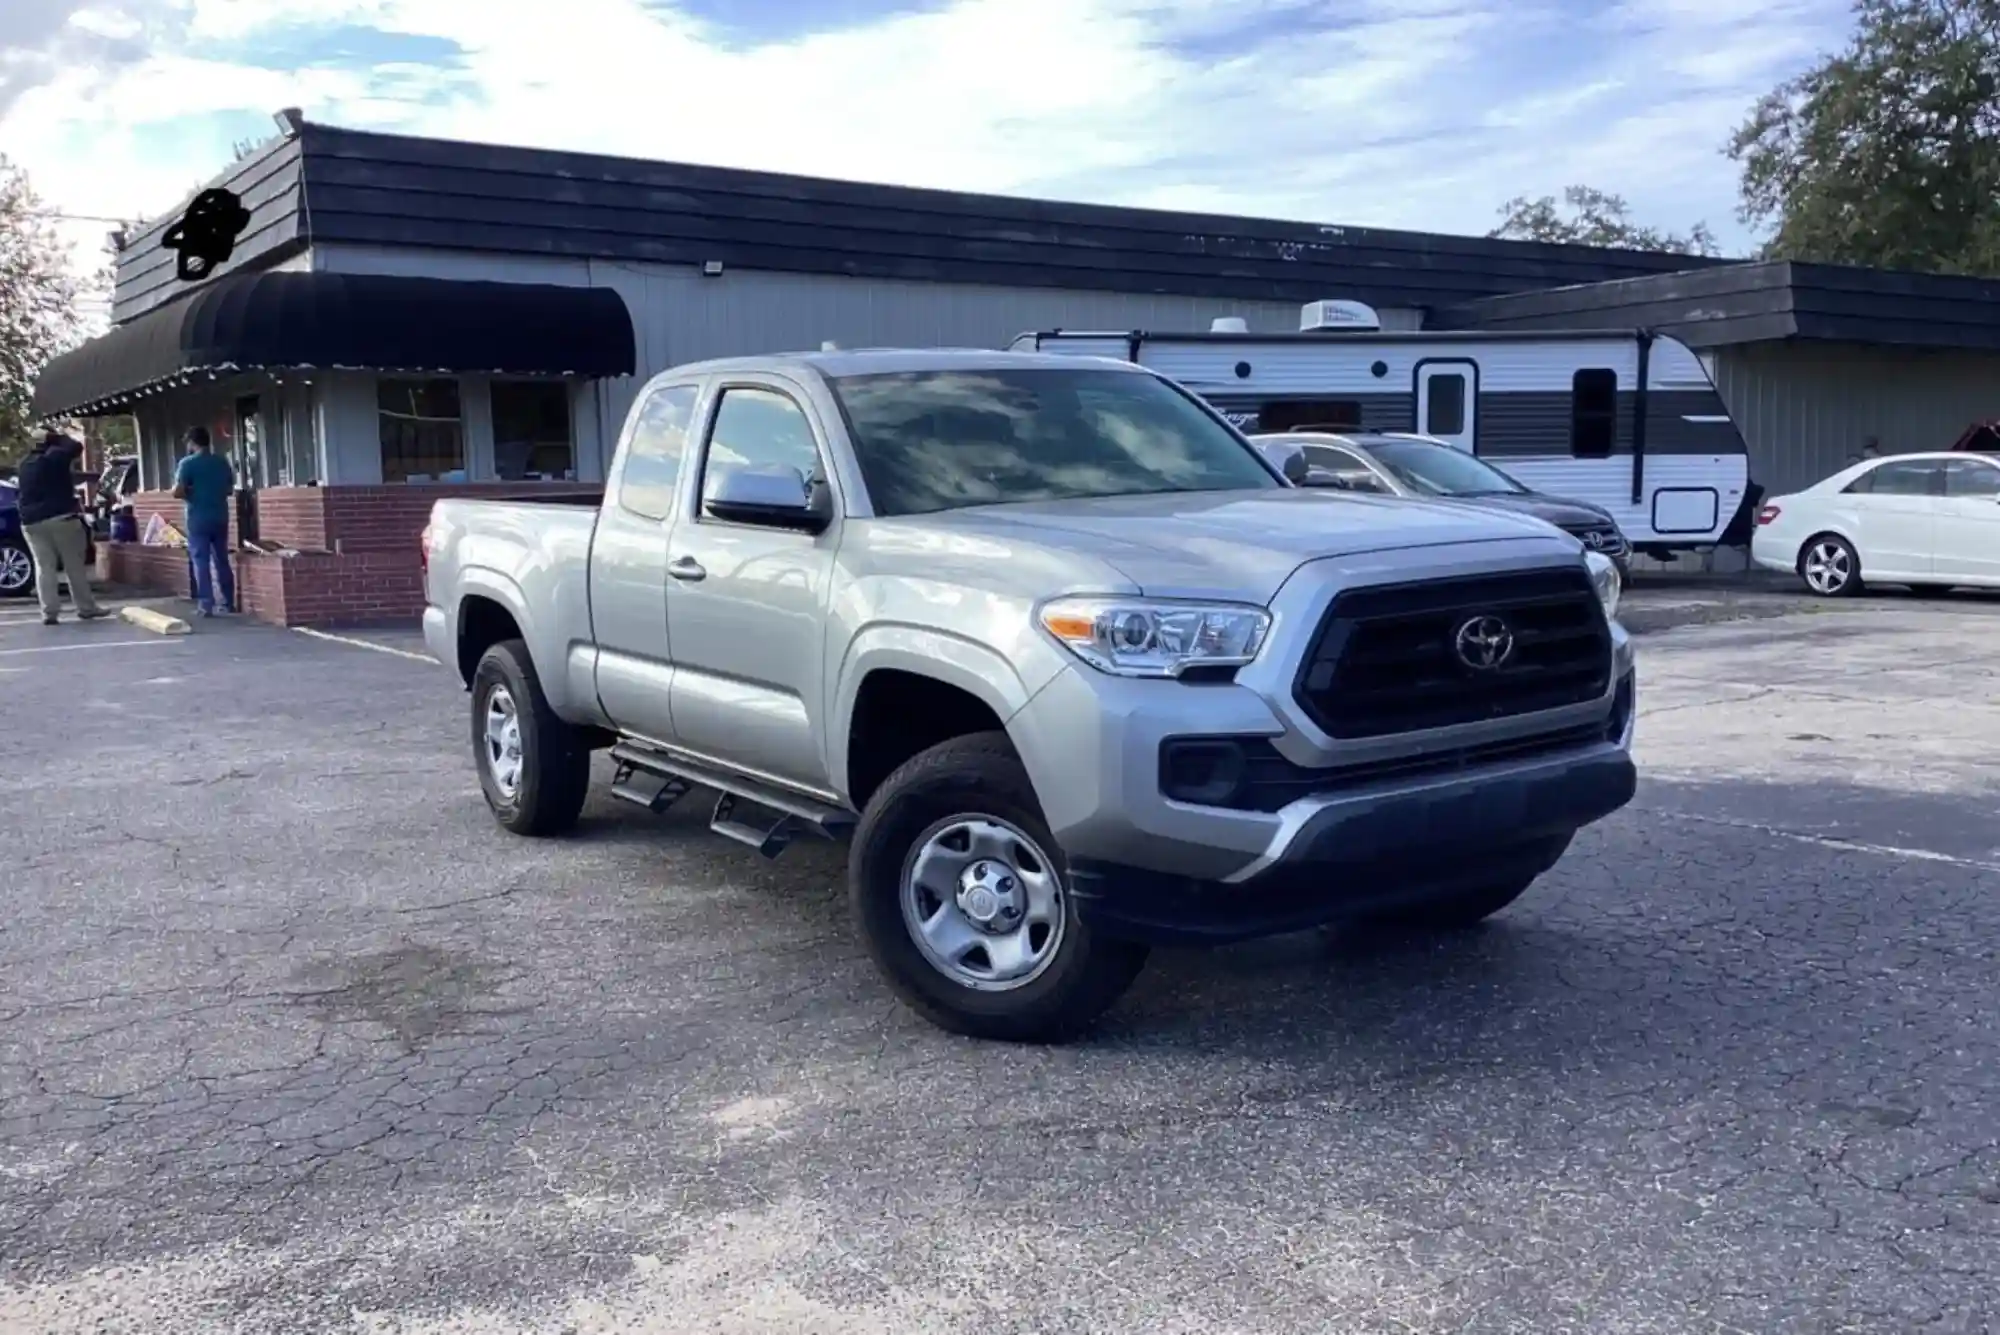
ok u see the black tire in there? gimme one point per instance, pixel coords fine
(1467, 908)
(12, 553)
(1851, 586)
(977, 775)
(554, 777)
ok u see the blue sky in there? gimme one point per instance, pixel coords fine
(1425, 114)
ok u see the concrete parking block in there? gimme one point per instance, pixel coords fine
(158, 622)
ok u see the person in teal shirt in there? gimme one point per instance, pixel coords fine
(203, 483)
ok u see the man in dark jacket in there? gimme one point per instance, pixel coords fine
(52, 522)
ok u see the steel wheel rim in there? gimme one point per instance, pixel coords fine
(1827, 567)
(983, 903)
(503, 741)
(17, 569)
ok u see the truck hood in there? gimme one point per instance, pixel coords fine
(1238, 545)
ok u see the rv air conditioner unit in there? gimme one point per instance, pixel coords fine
(1229, 324)
(1328, 317)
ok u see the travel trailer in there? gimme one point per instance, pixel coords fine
(1623, 419)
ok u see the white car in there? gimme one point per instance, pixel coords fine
(1930, 521)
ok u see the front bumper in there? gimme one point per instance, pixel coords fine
(1344, 856)
(1149, 867)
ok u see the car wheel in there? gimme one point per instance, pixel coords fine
(1830, 566)
(960, 895)
(533, 768)
(17, 570)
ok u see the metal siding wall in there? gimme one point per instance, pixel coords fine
(678, 315)
(1806, 408)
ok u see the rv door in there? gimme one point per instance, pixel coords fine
(1447, 392)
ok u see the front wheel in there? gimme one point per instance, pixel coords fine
(17, 570)
(1830, 566)
(533, 768)
(960, 895)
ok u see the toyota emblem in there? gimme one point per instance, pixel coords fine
(1484, 643)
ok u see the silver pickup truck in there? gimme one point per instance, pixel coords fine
(1070, 665)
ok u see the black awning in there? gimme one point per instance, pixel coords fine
(326, 321)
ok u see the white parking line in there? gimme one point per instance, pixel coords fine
(330, 637)
(1834, 842)
(71, 648)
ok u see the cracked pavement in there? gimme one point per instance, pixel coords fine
(295, 1040)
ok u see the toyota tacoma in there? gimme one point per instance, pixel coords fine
(1066, 662)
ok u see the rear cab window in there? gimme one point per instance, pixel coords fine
(653, 451)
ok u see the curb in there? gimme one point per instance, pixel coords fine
(145, 618)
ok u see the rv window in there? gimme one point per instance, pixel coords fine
(1593, 412)
(1444, 405)
(1310, 415)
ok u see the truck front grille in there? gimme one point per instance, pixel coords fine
(1387, 659)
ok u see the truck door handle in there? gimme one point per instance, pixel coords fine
(687, 568)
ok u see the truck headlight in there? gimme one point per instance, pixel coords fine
(1145, 637)
(1604, 575)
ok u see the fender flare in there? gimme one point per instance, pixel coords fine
(922, 651)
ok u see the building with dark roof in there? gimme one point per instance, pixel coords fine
(401, 310)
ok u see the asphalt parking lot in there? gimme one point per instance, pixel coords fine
(296, 1041)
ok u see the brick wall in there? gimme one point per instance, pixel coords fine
(389, 519)
(356, 556)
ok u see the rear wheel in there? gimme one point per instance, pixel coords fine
(17, 570)
(960, 895)
(533, 768)
(1830, 566)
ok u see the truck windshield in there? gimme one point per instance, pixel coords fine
(943, 440)
(1440, 470)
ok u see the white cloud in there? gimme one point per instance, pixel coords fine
(1423, 114)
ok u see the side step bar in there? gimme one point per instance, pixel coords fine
(655, 781)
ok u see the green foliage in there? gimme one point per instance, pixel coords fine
(38, 295)
(1588, 217)
(1887, 153)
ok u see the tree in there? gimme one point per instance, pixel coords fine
(1594, 218)
(1888, 153)
(38, 295)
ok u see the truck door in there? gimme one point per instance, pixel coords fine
(1447, 392)
(628, 566)
(747, 603)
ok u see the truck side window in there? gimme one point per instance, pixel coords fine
(759, 428)
(1593, 395)
(653, 453)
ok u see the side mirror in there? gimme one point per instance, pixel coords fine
(769, 496)
(1288, 459)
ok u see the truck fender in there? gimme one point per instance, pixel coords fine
(495, 586)
(923, 652)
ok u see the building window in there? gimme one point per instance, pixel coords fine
(1593, 394)
(653, 452)
(531, 431)
(422, 429)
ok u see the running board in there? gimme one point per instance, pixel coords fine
(656, 781)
